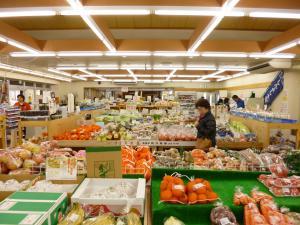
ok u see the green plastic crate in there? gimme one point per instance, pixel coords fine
(222, 182)
(53, 205)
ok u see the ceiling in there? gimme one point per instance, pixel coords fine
(169, 40)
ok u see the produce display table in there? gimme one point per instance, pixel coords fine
(262, 129)
(222, 182)
(230, 145)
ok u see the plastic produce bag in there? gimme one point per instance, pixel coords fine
(104, 219)
(173, 221)
(222, 215)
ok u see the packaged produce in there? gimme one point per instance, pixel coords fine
(252, 159)
(130, 219)
(137, 161)
(252, 215)
(74, 217)
(170, 158)
(104, 219)
(293, 218)
(176, 133)
(197, 191)
(241, 198)
(292, 160)
(84, 132)
(14, 185)
(222, 215)
(279, 170)
(259, 195)
(173, 221)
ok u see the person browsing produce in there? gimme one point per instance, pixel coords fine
(206, 126)
(24, 106)
(239, 102)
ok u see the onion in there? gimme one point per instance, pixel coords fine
(29, 164)
(3, 168)
(24, 154)
(38, 158)
(13, 163)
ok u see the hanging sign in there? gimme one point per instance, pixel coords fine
(274, 89)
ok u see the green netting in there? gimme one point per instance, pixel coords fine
(222, 182)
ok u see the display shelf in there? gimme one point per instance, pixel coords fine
(223, 183)
(262, 129)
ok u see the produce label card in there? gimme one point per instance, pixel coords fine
(61, 168)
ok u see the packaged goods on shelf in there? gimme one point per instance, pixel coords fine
(222, 215)
(118, 196)
(137, 161)
(176, 133)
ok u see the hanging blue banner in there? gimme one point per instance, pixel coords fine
(274, 89)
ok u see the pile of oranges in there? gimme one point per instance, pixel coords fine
(197, 191)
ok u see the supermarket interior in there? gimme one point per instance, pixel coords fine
(150, 112)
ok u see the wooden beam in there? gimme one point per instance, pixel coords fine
(230, 46)
(74, 45)
(17, 35)
(206, 3)
(105, 29)
(283, 38)
(203, 23)
(271, 4)
(31, 3)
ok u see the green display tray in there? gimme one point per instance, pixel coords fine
(222, 182)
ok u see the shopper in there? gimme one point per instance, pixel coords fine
(226, 103)
(206, 126)
(239, 102)
(24, 106)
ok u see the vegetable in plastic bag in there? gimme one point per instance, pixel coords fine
(104, 219)
(130, 219)
(173, 221)
(222, 215)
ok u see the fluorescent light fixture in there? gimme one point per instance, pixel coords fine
(273, 56)
(200, 67)
(226, 8)
(153, 81)
(168, 67)
(117, 12)
(131, 73)
(26, 13)
(76, 5)
(171, 74)
(212, 75)
(282, 15)
(32, 72)
(224, 78)
(59, 72)
(2, 39)
(91, 74)
(240, 74)
(78, 77)
(225, 54)
(128, 53)
(103, 67)
(175, 54)
(184, 12)
(79, 53)
(71, 68)
(233, 68)
(22, 46)
(283, 47)
(136, 67)
(29, 54)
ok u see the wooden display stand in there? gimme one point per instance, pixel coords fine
(262, 129)
(54, 127)
(3, 131)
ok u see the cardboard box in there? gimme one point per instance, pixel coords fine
(16, 218)
(19, 178)
(104, 162)
(91, 186)
(53, 205)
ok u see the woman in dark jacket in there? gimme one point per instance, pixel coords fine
(206, 126)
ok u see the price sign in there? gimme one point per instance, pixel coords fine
(61, 168)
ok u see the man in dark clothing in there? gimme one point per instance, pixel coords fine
(239, 102)
(206, 126)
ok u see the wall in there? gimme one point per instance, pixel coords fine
(77, 88)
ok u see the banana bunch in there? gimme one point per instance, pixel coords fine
(104, 219)
(74, 217)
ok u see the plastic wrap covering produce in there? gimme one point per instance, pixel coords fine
(114, 131)
(14, 185)
(171, 158)
(173, 221)
(137, 161)
(74, 217)
(196, 191)
(84, 132)
(48, 186)
(222, 215)
(176, 133)
(292, 160)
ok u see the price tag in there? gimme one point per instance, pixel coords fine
(61, 168)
